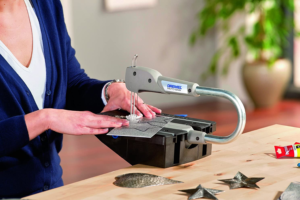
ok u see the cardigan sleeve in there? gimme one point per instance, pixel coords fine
(14, 134)
(83, 93)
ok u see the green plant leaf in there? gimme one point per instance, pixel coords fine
(213, 66)
(226, 67)
(193, 38)
(233, 43)
(268, 34)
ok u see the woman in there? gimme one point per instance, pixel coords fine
(39, 79)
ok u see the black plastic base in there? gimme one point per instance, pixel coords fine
(165, 149)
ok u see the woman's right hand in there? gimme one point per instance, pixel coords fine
(70, 122)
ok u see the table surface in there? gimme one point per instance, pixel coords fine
(252, 154)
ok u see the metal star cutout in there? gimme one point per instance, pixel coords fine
(201, 192)
(292, 192)
(242, 181)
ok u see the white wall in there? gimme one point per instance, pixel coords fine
(106, 42)
(233, 80)
(67, 6)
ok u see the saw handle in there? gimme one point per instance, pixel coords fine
(198, 137)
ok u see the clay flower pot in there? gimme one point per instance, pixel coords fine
(264, 85)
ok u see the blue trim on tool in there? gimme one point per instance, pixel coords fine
(182, 115)
(115, 136)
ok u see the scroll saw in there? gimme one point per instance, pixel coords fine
(179, 139)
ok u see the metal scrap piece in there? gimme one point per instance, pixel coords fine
(120, 116)
(145, 128)
(133, 118)
(292, 192)
(201, 192)
(140, 180)
(242, 181)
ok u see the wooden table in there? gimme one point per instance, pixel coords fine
(252, 154)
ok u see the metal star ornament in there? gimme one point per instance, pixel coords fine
(201, 192)
(242, 181)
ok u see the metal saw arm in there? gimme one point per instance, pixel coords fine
(141, 79)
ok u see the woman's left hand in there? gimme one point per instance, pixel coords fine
(119, 98)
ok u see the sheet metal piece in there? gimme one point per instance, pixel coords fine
(242, 181)
(292, 192)
(145, 128)
(201, 192)
(140, 180)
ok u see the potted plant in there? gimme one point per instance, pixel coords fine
(265, 72)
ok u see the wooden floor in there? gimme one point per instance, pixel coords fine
(85, 156)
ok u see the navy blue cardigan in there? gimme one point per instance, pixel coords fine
(28, 167)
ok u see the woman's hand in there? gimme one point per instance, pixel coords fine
(82, 123)
(70, 122)
(119, 98)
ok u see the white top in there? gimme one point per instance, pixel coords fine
(35, 75)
